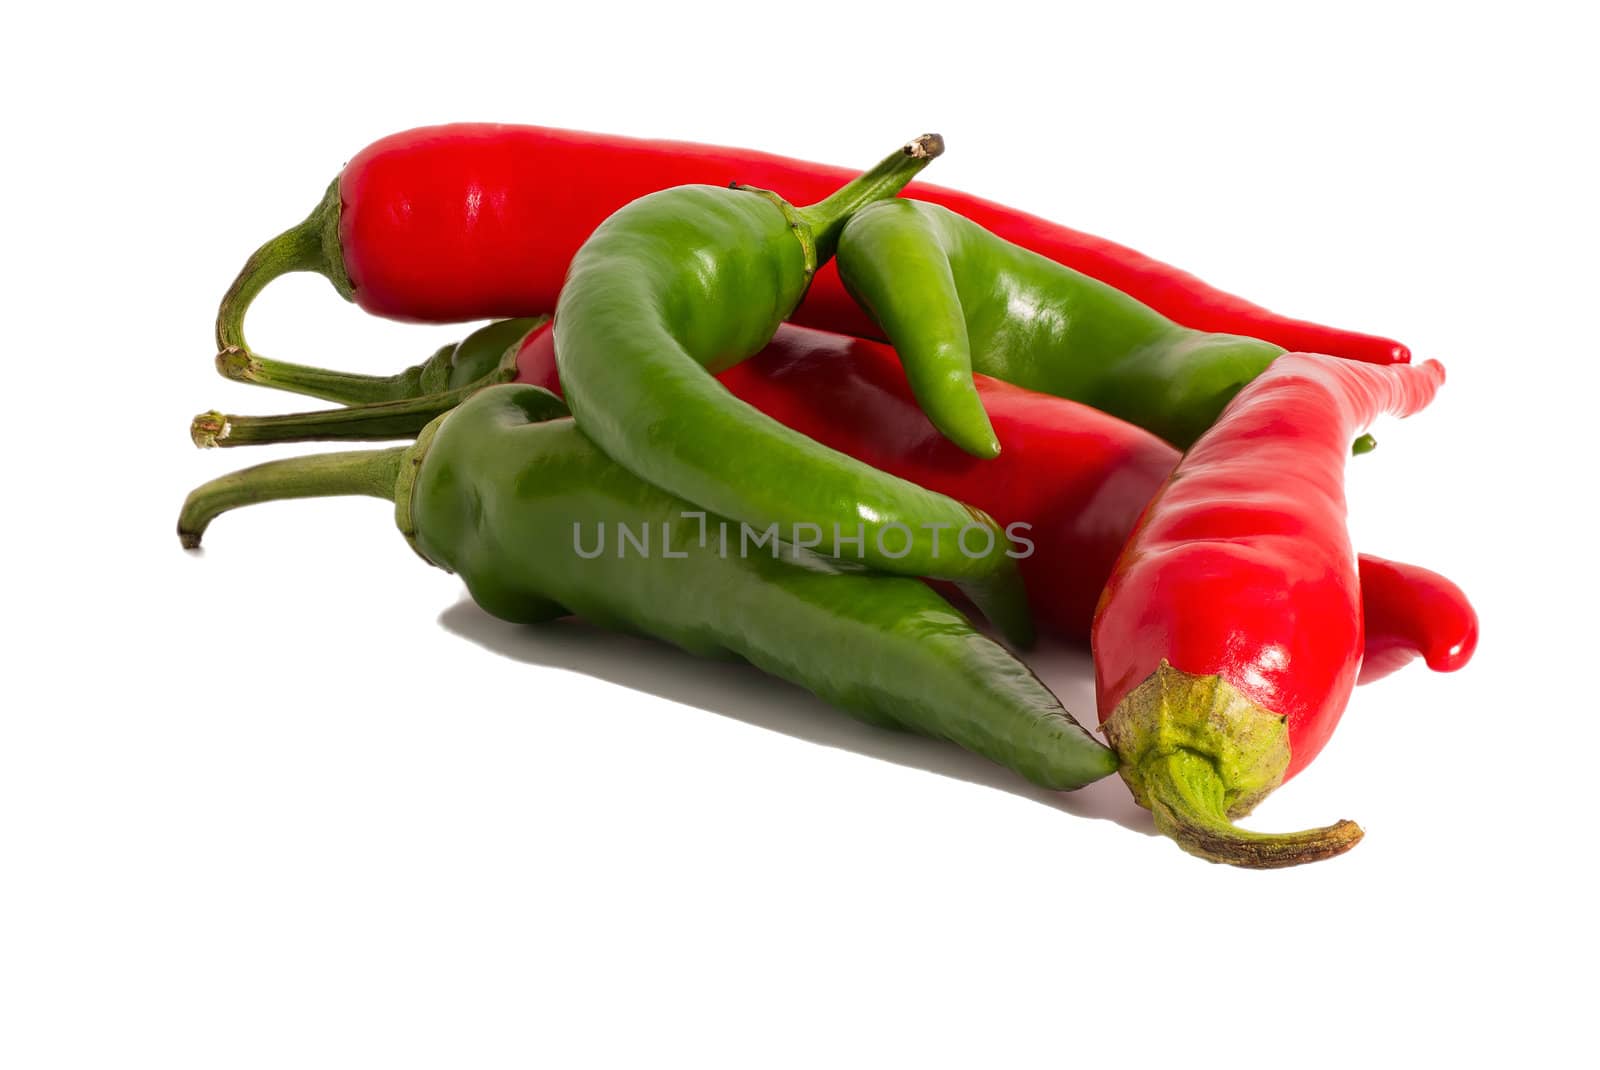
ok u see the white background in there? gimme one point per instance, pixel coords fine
(293, 802)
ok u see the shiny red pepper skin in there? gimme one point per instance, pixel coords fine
(1229, 636)
(1243, 565)
(1411, 611)
(1077, 476)
(477, 221)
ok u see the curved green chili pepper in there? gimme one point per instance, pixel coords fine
(517, 501)
(684, 283)
(954, 298)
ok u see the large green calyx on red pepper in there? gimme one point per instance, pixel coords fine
(1198, 755)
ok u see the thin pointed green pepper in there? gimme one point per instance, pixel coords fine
(519, 502)
(954, 298)
(689, 281)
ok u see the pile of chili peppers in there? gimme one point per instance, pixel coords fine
(772, 410)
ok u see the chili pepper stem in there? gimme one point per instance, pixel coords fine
(1185, 794)
(1197, 754)
(827, 217)
(311, 245)
(418, 399)
(447, 365)
(373, 473)
(356, 423)
(342, 388)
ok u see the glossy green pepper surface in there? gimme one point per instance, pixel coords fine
(687, 282)
(513, 497)
(954, 298)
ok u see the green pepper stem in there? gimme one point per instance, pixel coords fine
(1198, 753)
(483, 354)
(827, 217)
(303, 247)
(1364, 444)
(1187, 796)
(311, 245)
(373, 473)
(421, 397)
(357, 423)
(341, 388)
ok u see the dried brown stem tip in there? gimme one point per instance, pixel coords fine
(208, 429)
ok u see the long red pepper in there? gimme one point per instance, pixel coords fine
(1077, 477)
(476, 221)
(1229, 636)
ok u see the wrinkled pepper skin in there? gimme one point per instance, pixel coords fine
(449, 224)
(693, 280)
(1229, 636)
(508, 493)
(952, 298)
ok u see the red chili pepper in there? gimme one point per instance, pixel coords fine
(1410, 611)
(1230, 634)
(1076, 476)
(477, 221)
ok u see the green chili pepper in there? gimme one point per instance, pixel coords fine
(514, 498)
(689, 281)
(954, 298)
